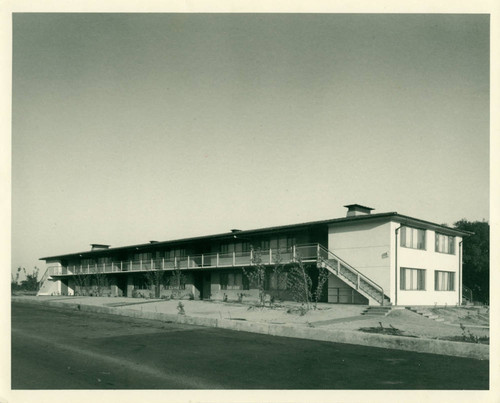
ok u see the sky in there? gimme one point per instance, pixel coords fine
(128, 128)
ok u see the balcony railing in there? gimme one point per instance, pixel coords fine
(307, 253)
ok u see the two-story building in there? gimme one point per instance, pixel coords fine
(384, 258)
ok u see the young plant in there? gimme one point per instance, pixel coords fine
(322, 280)
(299, 283)
(256, 274)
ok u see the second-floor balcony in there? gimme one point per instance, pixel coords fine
(307, 253)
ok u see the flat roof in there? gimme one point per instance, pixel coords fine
(403, 219)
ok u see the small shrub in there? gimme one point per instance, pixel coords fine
(180, 308)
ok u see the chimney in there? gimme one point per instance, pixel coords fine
(98, 246)
(357, 209)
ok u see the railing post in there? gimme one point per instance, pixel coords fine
(140, 263)
(217, 261)
(152, 265)
(88, 268)
(175, 262)
(188, 262)
(130, 265)
(294, 252)
(270, 256)
(121, 265)
(358, 281)
(163, 263)
(202, 260)
(234, 257)
(251, 256)
(317, 251)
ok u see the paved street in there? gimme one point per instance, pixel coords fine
(63, 349)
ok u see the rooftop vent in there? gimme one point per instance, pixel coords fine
(98, 246)
(357, 209)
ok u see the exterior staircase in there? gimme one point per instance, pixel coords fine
(425, 313)
(47, 285)
(348, 274)
(377, 311)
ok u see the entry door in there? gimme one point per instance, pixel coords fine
(207, 282)
(121, 282)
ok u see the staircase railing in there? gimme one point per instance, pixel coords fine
(466, 293)
(44, 278)
(349, 274)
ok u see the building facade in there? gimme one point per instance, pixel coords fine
(375, 259)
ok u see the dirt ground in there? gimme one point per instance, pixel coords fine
(409, 323)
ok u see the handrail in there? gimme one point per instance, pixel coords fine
(352, 269)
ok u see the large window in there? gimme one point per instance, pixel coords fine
(412, 279)
(445, 244)
(444, 280)
(413, 238)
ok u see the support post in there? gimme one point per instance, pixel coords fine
(217, 262)
(234, 258)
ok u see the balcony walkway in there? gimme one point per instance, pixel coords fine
(308, 253)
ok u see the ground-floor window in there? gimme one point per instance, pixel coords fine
(140, 282)
(229, 281)
(444, 280)
(412, 279)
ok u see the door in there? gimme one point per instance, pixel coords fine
(207, 283)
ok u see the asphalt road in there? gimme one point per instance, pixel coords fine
(63, 349)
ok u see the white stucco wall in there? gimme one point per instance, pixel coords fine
(366, 247)
(430, 261)
(370, 248)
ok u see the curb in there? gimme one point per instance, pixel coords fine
(430, 346)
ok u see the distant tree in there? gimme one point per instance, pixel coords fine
(31, 283)
(14, 280)
(476, 258)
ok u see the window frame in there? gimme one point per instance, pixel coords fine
(404, 236)
(449, 281)
(420, 279)
(450, 241)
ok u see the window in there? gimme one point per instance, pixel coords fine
(223, 281)
(413, 238)
(445, 244)
(142, 256)
(444, 281)
(226, 247)
(412, 279)
(141, 282)
(264, 245)
(232, 281)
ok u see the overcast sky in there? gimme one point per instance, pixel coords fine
(139, 127)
